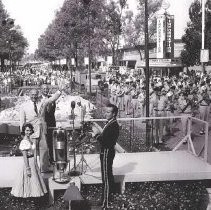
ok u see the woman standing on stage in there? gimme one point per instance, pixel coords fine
(29, 182)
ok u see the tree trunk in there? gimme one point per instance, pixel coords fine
(140, 54)
(113, 57)
(2, 64)
(76, 54)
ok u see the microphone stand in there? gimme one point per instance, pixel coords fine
(83, 160)
(74, 172)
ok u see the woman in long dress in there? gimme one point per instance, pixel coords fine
(29, 182)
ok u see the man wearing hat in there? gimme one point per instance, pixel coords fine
(120, 97)
(113, 96)
(159, 104)
(185, 110)
(204, 106)
(141, 101)
(134, 101)
(127, 97)
(170, 108)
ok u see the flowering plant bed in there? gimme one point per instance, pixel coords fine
(154, 195)
(148, 195)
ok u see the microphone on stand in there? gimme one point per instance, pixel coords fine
(72, 110)
(73, 104)
(74, 172)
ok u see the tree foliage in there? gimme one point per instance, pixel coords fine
(134, 24)
(114, 26)
(77, 26)
(193, 34)
(83, 27)
(12, 41)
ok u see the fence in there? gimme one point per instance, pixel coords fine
(165, 133)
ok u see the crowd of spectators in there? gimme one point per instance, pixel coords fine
(31, 76)
(188, 94)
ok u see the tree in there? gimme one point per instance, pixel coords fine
(134, 25)
(74, 25)
(12, 41)
(192, 38)
(113, 26)
(17, 44)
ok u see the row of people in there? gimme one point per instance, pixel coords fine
(172, 97)
(29, 77)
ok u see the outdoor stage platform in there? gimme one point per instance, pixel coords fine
(128, 167)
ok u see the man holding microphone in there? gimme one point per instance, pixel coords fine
(107, 139)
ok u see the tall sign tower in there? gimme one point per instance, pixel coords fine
(165, 33)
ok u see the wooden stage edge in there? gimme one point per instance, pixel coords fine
(127, 167)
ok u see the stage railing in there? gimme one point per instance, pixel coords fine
(165, 134)
(197, 138)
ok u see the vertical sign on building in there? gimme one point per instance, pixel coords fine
(86, 61)
(160, 36)
(73, 61)
(169, 43)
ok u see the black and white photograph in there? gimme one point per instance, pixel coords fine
(105, 104)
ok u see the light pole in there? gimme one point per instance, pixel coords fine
(203, 24)
(89, 54)
(204, 53)
(87, 3)
(147, 73)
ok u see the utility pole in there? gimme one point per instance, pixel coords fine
(147, 73)
(87, 3)
(89, 54)
(202, 31)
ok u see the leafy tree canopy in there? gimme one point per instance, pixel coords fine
(12, 41)
(193, 34)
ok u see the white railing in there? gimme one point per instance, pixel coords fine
(202, 149)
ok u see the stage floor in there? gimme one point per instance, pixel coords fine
(128, 167)
(150, 166)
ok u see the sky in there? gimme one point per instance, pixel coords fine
(34, 16)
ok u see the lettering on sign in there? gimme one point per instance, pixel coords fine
(160, 36)
(169, 48)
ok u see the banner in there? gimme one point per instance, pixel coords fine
(109, 60)
(73, 61)
(169, 44)
(160, 36)
(86, 61)
(204, 55)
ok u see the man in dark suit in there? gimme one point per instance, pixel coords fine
(108, 138)
(50, 120)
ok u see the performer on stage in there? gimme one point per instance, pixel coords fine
(108, 139)
(49, 119)
(28, 182)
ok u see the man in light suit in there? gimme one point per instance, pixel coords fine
(33, 111)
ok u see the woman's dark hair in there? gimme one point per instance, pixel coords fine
(27, 125)
(115, 109)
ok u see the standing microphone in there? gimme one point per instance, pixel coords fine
(73, 104)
